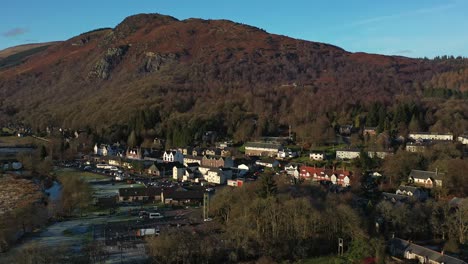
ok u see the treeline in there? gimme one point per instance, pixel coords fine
(266, 220)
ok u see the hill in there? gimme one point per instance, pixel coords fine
(159, 74)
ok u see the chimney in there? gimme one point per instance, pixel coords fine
(442, 252)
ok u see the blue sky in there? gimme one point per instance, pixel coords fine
(415, 28)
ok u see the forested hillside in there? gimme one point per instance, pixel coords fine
(159, 76)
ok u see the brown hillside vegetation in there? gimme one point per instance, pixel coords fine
(20, 48)
(214, 74)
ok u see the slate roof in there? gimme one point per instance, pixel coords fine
(143, 191)
(408, 188)
(419, 174)
(396, 197)
(404, 246)
(264, 145)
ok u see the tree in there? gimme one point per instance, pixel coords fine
(267, 187)
(132, 140)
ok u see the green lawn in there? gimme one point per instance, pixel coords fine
(88, 176)
(322, 260)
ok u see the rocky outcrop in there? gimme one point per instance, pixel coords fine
(113, 56)
(154, 61)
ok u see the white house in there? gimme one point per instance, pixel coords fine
(427, 179)
(172, 156)
(463, 139)
(178, 172)
(218, 176)
(379, 154)
(286, 153)
(347, 154)
(269, 163)
(430, 136)
(316, 156)
(104, 150)
(243, 169)
(292, 170)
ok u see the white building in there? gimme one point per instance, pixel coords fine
(218, 176)
(430, 136)
(178, 172)
(463, 139)
(379, 154)
(316, 156)
(172, 156)
(347, 154)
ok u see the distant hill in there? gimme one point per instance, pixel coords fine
(213, 73)
(21, 48)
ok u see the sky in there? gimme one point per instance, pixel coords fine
(411, 28)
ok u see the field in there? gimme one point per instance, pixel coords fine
(13, 141)
(88, 176)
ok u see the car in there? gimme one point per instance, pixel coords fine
(208, 219)
(155, 216)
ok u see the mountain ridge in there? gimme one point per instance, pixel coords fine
(156, 63)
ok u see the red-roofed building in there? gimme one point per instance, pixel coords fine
(339, 177)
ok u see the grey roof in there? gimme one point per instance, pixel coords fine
(404, 246)
(430, 133)
(420, 174)
(408, 188)
(396, 197)
(265, 145)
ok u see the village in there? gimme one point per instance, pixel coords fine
(143, 192)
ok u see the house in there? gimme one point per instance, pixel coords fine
(430, 136)
(407, 250)
(235, 183)
(347, 154)
(317, 156)
(379, 154)
(394, 198)
(162, 169)
(412, 191)
(346, 130)
(243, 169)
(104, 150)
(338, 177)
(262, 149)
(178, 171)
(153, 155)
(189, 175)
(371, 131)
(186, 151)
(134, 153)
(223, 145)
(292, 170)
(173, 156)
(192, 159)
(463, 139)
(192, 165)
(268, 163)
(218, 176)
(181, 196)
(217, 161)
(418, 146)
(286, 153)
(139, 194)
(213, 152)
(198, 151)
(428, 179)
(226, 152)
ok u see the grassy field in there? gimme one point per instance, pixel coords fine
(88, 176)
(11, 141)
(322, 260)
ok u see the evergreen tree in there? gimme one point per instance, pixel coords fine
(267, 186)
